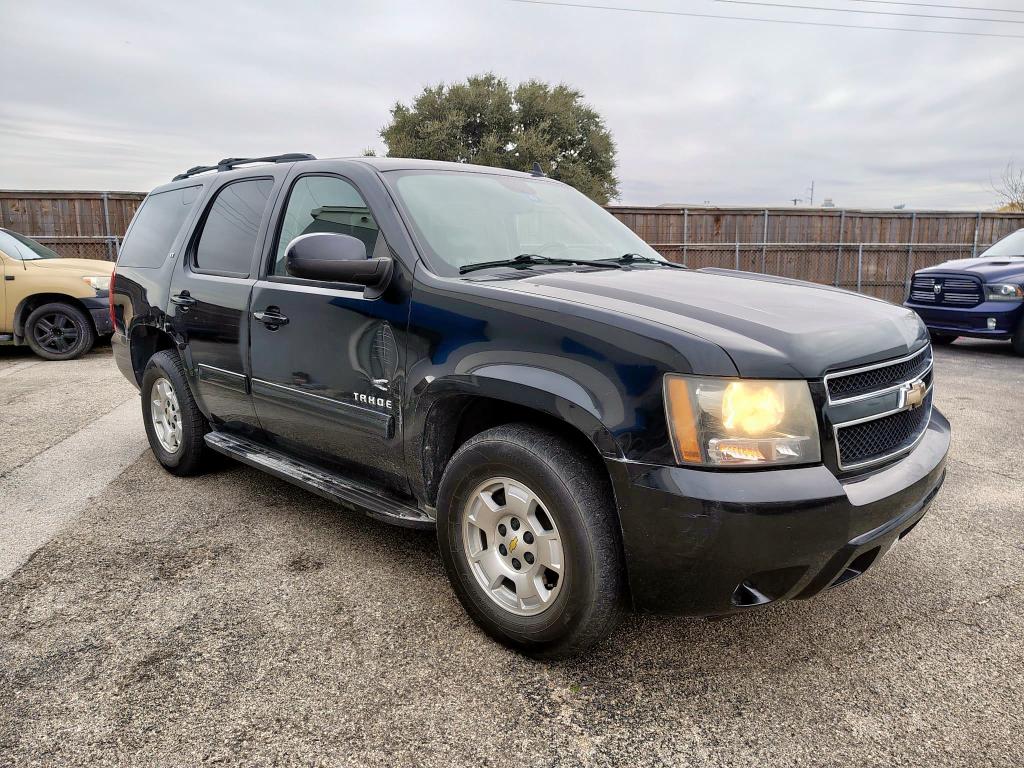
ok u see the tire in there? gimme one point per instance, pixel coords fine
(1017, 340)
(569, 501)
(942, 339)
(176, 427)
(58, 331)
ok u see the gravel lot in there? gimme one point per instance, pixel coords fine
(232, 618)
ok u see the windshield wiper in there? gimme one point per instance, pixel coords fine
(636, 258)
(528, 259)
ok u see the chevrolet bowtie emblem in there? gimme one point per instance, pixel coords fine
(913, 394)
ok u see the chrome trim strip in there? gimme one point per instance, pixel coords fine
(201, 366)
(330, 400)
(873, 367)
(888, 456)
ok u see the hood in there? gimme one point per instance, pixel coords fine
(78, 266)
(989, 270)
(770, 327)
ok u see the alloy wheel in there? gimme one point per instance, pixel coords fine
(166, 415)
(56, 332)
(513, 546)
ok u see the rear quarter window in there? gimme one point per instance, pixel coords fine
(156, 227)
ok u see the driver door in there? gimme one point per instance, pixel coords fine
(326, 381)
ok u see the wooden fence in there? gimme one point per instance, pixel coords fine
(82, 225)
(873, 251)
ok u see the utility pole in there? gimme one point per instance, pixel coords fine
(811, 203)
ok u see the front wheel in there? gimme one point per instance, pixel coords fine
(1018, 338)
(59, 331)
(530, 541)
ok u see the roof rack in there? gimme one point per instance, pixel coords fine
(229, 163)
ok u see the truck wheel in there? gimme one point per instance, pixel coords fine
(58, 331)
(1018, 338)
(943, 339)
(174, 424)
(530, 541)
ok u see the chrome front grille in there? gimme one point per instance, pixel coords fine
(879, 438)
(871, 380)
(880, 411)
(945, 291)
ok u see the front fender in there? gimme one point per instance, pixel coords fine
(439, 404)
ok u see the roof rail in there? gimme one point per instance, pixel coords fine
(229, 163)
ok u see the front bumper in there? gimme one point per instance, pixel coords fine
(702, 542)
(973, 321)
(99, 310)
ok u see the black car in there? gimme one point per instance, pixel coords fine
(588, 426)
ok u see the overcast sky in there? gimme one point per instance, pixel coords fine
(102, 95)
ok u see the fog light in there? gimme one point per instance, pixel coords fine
(991, 323)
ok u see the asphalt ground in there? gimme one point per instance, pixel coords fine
(234, 619)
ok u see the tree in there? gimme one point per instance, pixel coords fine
(485, 121)
(1010, 189)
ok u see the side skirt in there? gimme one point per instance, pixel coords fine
(329, 485)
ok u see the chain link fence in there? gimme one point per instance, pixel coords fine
(877, 269)
(101, 248)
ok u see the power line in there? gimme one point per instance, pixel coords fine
(939, 5)
(875, 13)
(659, 12)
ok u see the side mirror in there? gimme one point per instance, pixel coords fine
(337, 258)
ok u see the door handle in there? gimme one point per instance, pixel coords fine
(271, 317)
(183, 301)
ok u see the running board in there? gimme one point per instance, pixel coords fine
(329, 485)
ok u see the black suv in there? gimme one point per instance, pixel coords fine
(587, 425)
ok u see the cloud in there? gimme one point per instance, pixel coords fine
(125, 95)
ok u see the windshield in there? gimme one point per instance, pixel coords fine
(1011, 245)
(469, 218)
(20, 247)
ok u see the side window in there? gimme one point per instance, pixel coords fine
(232, 225)
(155, 227)
(324, 204)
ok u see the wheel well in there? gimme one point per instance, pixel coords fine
(456, 419)
(146, 341)
(29, 304)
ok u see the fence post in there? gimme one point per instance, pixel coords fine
(686, 232)
(764, 243)
(106, 228)
(977, 226)
(860, 264)
(737, 251)
(839, 255)
(910, 253)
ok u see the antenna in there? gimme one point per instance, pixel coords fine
(537, 170)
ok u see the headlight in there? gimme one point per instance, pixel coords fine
(98, 282)
(741, 422)
(1003, 292)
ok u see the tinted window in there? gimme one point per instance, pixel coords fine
(232, 224)
(155, 227)
(324, 204)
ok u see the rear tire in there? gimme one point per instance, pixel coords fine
(174, 424)
(558, 576)
(58, 331)
(943, 339)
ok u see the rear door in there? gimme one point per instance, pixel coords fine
(209, 302)
(327, 381)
